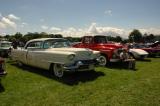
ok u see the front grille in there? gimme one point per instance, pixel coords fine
(88, 61)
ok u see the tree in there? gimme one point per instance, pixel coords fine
(18, 35)
(118, 39)
(135, 36)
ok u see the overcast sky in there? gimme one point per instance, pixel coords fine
(80, 17)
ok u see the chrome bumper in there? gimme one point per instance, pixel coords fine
(81, 65)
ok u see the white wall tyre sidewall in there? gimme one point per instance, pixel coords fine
(102, 60)
(58, 70)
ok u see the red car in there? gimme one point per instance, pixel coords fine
(109, 51)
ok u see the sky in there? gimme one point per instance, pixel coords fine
(77, 18)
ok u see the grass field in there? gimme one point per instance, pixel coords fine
(111, 86)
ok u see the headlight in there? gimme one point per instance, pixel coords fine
(71, 57)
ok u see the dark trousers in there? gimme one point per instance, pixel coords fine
(129, 63)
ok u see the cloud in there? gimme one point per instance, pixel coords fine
(2, 25)
(8, 22)
(23, 24)
(155, 31)
(94, 29)
(13, 17)
(44, 27)
(108, 12)
(3, 33)
(108, 31)
(55, 29)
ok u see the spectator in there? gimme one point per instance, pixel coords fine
(127, 60)
(14, 44)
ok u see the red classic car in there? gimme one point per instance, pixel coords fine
(109, 51)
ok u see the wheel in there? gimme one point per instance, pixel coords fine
(58, 70)
(103, 60)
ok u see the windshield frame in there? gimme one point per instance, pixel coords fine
(54, 41)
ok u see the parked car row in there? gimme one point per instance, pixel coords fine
(60, 56)
(152, 49)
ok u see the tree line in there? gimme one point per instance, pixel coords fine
(134, 36)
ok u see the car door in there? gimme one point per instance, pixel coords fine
(33, 49)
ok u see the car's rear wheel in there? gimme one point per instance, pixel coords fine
(58, 70)
(103, 61)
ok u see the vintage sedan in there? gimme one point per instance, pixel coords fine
(5, 47)
(55, 54)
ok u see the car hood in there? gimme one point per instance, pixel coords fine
(70, 49)
(110, 45)
(139, 51)
(80, 53)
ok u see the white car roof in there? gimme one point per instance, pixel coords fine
(43, 39)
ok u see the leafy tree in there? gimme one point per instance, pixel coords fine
(118, 39)
(135, 36)
(18, 35)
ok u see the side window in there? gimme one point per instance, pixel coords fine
(36, 45)
(87, 40)
(47, 44)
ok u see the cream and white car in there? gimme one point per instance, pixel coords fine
(138, 53)
(55, 54)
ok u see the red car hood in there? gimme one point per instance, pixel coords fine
(110, 45)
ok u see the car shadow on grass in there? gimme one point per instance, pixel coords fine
(1, 87)
(119, 66)
(69, 78)
(144, 60)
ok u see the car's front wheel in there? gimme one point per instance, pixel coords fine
(58, 70)
(103, 60)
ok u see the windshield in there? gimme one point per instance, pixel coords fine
(58, 43)
(139, 46)
(5, 44)
(100, 39)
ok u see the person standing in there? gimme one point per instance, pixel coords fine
(127, 60)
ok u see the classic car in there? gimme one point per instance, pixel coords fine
(108, 51)
(138, 53)
(153, 50)
(2, 67)
(5, 47)
(55, 54)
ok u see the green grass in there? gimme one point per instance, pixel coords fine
(104, 86)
